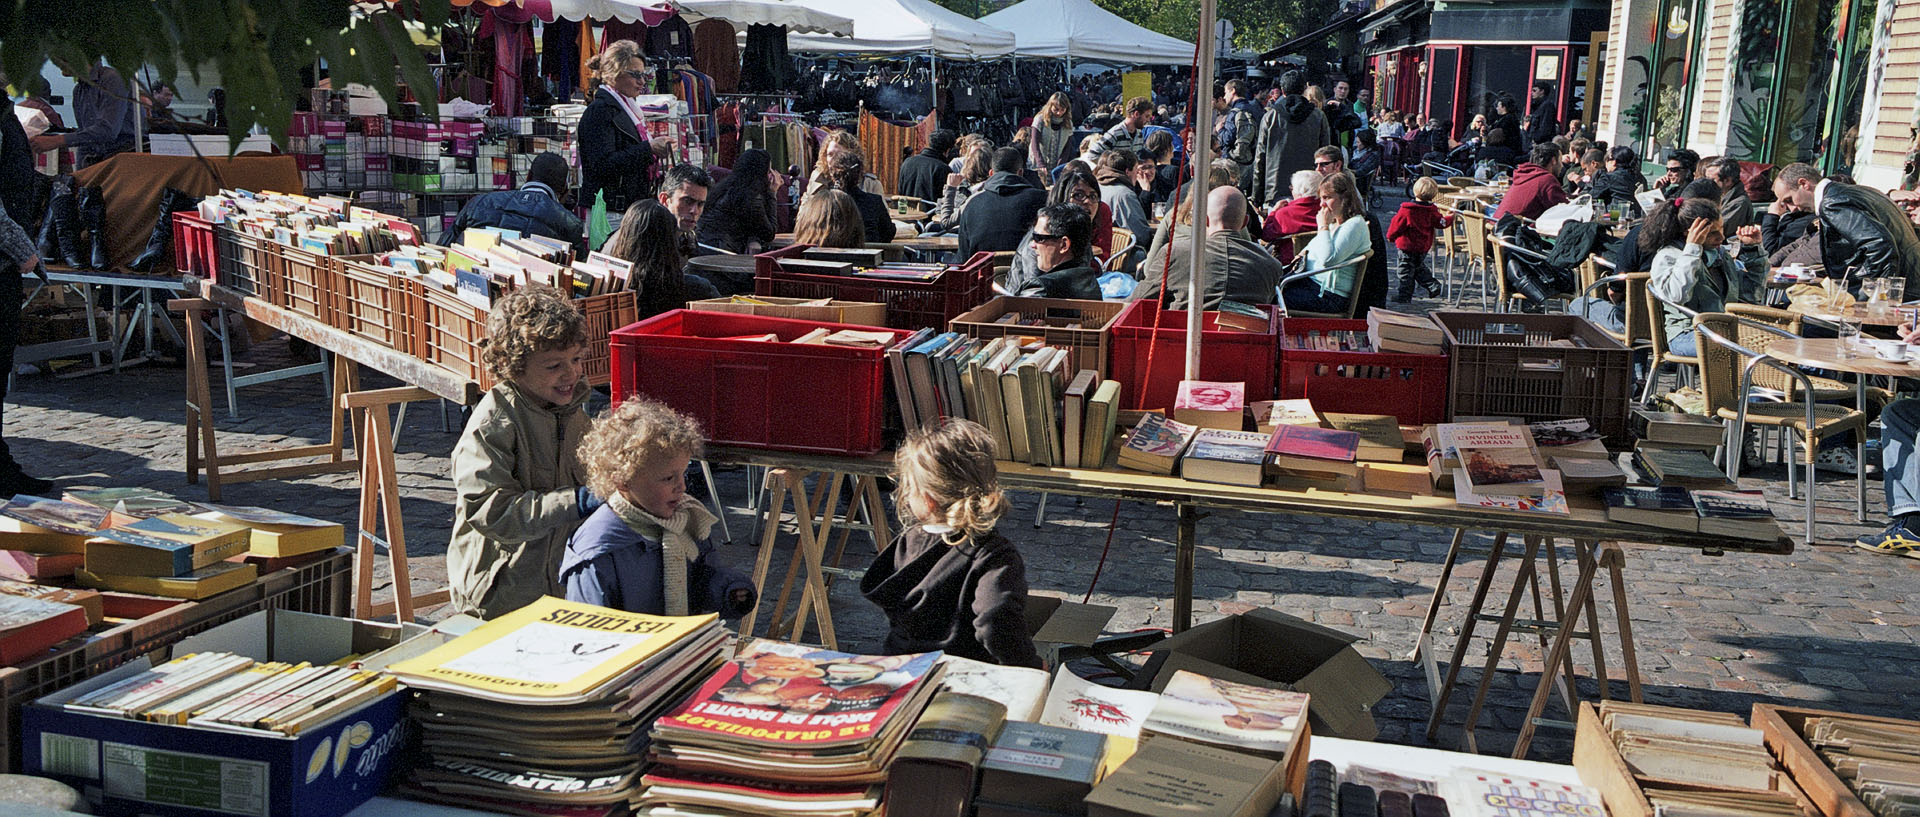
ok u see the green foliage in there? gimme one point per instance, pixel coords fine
(257, 46)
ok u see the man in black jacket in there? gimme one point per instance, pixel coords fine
(1000, 214)
(1543, 122)
(924, 175)
(1859, 227)
(535, 208)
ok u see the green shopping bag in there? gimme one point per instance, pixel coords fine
(598, 229)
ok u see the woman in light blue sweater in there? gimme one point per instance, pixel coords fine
(1332, 252)
(1691, 270)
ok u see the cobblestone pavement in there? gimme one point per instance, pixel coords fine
(1827, 626)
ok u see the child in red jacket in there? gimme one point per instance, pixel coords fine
(1412, 232)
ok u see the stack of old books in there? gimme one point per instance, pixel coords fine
(787, 729)
(546, 709)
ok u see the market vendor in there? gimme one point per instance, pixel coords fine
(534, 208)
(103, 112)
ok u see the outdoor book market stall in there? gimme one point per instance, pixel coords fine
(565, 706)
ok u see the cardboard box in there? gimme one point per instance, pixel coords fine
(164, 769)
(1055, 623)
(1272, 649)
(858, 313)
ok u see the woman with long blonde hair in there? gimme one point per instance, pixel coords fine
(1052, 132)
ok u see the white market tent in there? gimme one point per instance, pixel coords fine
(1080, 30)
(797, 17)
(905, 26)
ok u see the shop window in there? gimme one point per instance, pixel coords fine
(1799, 82)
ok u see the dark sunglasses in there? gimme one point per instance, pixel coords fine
(1047, 237)
(1676, 169)
(1324, 163)
(637, 76)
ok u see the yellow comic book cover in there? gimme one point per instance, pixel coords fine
(551, 651)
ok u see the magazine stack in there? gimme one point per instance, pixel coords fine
(545, 710)
(785, 728)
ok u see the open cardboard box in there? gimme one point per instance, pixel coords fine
(1272, 649)
(1624, 792)
(1055, 623)
(152, 768)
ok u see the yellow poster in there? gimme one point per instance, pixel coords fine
(1136, 83)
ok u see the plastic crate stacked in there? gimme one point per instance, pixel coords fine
(320, 586)
(1149, 355)
(1538, 367)
(910, 304)
(1413, 387)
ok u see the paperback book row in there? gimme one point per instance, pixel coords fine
(133, 540)
(859, 262)
(1021, 389)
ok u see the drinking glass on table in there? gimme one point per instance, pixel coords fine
(1849, 336)
(1895, 290)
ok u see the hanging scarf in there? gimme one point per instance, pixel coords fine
(679, 543)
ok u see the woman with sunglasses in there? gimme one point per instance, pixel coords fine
(615, 157)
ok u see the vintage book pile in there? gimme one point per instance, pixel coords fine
(143, 541)
(785, 728)
(1878, 760)
(1693, 763)
(228, 692)
(1292, 442)
(1733, 514)
(324, 225)
(1039, 411)
(548, 707)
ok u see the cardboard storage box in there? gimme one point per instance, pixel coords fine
(1272, 649)
(153, 768)
(801, 309)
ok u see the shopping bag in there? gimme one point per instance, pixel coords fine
(598, 229)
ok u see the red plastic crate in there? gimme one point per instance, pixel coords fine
(193, 249)
(1225, 355)
(783, 396)
(1410, 387)
(910, 304)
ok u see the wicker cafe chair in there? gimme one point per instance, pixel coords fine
(1637, 335)
(1825, 389)
(1661, 355)
(1353, 295)
(1002, 264)
(1727, 372)
(1473, 228)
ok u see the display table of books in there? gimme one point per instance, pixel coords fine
(1586, 522)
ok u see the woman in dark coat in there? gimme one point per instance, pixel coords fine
(847, 174)
(739, 216)
(615, 158)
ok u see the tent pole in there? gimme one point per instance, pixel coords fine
(933, 60)
(1202, 146)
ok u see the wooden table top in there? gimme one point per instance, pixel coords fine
(1824, 353)
(1588, 519)
(1869, 317)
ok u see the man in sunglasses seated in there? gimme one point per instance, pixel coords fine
(1063, 251)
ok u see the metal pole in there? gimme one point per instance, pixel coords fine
(1202, 149)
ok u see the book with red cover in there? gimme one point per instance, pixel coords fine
(27, 566)
(1314, 443)
(30, 626)
(1313, 451)
(796, 700)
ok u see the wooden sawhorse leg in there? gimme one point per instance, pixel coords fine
(1440, 693)
(200, 431)
(380, 505)
(1610, 556)
(792, 483)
